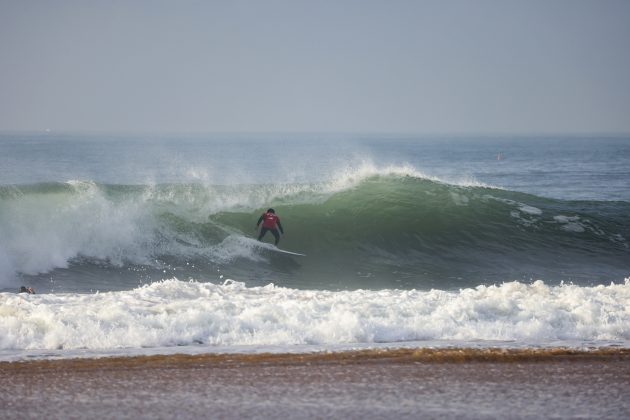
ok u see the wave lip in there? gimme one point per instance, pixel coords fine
(175, 313)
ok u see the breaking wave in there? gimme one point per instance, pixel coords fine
(365, 228)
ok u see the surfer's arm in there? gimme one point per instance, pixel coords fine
(260, 219)
(280, 227)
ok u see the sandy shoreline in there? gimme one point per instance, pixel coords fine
(402, 355)
(406, 383)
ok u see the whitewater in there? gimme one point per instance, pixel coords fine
(140, 245)
(176, 313)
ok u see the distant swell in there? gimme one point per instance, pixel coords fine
(370, 228)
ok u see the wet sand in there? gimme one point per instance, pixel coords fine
(409, 383)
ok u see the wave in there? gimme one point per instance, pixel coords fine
(177, 313)
(366, 228)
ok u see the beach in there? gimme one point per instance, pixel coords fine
(405, 383)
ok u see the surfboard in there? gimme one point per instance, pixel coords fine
(272, 247)
(283, 251)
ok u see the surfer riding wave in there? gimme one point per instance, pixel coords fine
(270, 223)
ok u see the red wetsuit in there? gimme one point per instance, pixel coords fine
(271, 223)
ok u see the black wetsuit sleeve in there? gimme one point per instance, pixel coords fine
(262, 216)
(280, 227)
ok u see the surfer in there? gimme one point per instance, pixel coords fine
(271, 223)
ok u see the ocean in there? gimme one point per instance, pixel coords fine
(144, 244)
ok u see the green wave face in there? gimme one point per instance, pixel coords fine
(411, 232)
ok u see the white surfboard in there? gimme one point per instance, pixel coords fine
(271, 247)
(268, 246)
(276, 249)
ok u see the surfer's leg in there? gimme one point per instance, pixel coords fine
(262, 233)
(276, 235)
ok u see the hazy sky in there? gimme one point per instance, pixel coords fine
(442, 66)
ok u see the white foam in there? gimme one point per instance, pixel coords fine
(352, 175)
(459, 199)
(43, 231)
(530, 209)
(237, 246)
(522, 207)
(174, 313)
(570, 223)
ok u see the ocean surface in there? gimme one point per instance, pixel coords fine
(139, 244)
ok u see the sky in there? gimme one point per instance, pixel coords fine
(426, 67)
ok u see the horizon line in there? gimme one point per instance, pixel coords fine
(420, 134)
